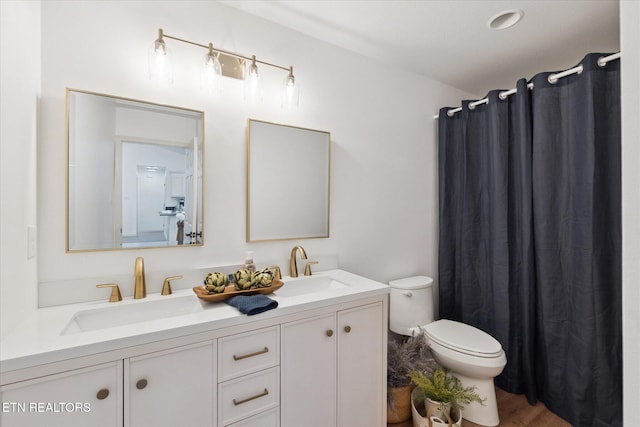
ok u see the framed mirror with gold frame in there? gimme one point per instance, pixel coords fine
(134, 173)
(288, 182)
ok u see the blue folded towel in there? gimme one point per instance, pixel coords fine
(252, 304)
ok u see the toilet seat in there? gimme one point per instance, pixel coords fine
(463, 338)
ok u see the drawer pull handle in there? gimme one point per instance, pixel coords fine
(248, 399)
(141, 384)
(102, 394)
(256, 353)
(347, 329)
(329, 332)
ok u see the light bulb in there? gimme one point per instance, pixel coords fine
(160, 47)
(290, 91)
(160, 67)
(253, 71)
(211, 72)
(252, 81)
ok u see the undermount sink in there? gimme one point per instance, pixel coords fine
(309, 285)
(133, 312)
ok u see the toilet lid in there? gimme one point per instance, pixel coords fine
(415, 282)
(463, 338)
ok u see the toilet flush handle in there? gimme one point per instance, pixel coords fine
(407, 294)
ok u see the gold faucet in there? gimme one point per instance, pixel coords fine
(307, 268)
(293, 265)
(277, 273)
(166, 285)
(140, 287)
(115, 291)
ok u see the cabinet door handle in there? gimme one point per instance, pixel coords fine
(329, 332)
(141, 384)
(248, 399)
(347, 329)
(255, 353)
(102, 394)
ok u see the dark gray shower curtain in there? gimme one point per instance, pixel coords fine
(530, 237)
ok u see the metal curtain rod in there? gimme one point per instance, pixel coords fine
(553, 78)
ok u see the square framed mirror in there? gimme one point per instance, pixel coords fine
(288, 182)
(134, 174)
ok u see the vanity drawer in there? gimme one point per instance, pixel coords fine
(243, 354)
(249, 395)
(270, 418)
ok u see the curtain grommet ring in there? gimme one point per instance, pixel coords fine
(450, 113)
(472, 107)
(602, 62)
(553, 78)
(502, 96)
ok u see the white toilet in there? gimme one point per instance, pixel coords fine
(472, 355)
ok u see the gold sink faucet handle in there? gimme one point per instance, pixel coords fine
(115, 291)
(307, 268)
(166, 286)
(277, 273)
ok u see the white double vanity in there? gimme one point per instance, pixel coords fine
(319, 359)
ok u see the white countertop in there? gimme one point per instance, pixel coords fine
(38, 339)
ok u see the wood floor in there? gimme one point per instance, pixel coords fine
(514, 410)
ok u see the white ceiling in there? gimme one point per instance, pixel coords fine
(448, 40)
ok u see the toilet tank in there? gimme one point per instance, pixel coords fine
(410, 303)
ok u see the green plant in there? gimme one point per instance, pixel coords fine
(441, 386)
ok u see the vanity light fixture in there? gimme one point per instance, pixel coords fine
(216, 64)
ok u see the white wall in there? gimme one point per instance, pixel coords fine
(630, 45)
(383, 195)
(20, 88)
(90, 172)
(157, 125)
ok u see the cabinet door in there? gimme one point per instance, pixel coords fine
(308, 366)
(171, 388)
(177, 184)
(361, 368)
(84, 397)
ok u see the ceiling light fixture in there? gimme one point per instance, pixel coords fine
(505, 19)
(215, 64)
